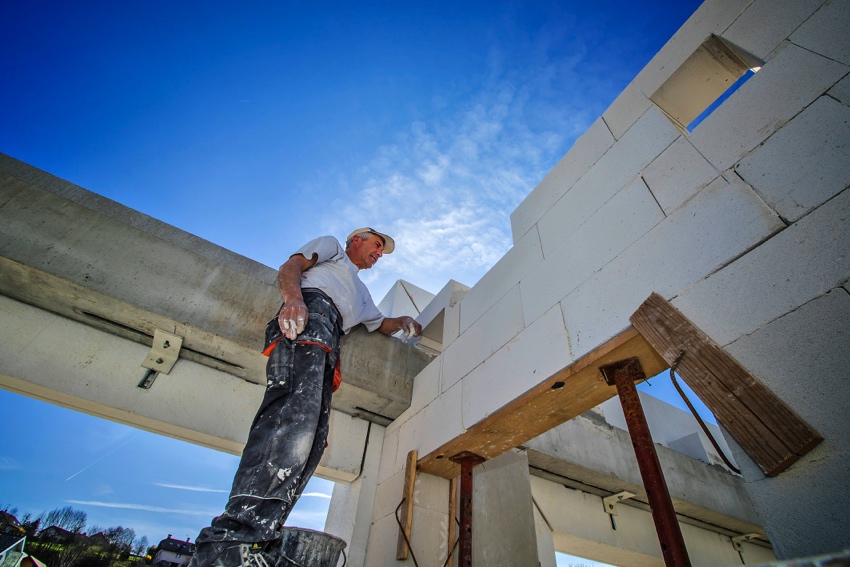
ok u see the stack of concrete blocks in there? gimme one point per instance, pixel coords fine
(741, 223)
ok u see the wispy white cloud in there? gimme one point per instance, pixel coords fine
(445, 191)
(445, 188)
(316, 495)
(9, 464)
(191, 488)
(143, 507)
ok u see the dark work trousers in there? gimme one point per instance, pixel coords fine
(288, 435)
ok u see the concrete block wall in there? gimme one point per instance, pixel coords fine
(429, 536)
(741, 223)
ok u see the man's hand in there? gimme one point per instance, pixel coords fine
(293, 318)
(407, 324)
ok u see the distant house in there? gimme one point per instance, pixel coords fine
(173, 553)
(55, 534)
(9, 524)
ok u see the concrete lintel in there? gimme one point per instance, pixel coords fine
(588, 454)
(94, 261)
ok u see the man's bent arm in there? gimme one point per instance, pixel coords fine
(293, 316)
(391, 325)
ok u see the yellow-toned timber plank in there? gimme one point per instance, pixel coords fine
(561, 397)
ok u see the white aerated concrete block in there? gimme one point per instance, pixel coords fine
(507, 272)
(767, 23)
(783, 87)
(428, 540)
(451, 325)
(710, 18)
(609, 231)
(805, 163)
(641, 144)
(533, 356)
(388, 454)
(441, 420)
(678, 174)
(387, 496)
(382, 544)
(431, 501)
(803, 343)
(841, 91)
(589, 147)
(431, 493)
(803, 358)
(720, 223)
(803, 262)
(625, 110)
(827, 32)
(499, 325)
(426, 385)
(408, 439)
(341, 462)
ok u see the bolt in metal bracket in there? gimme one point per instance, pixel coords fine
(610, 502)
(163, 355)
(738, 540)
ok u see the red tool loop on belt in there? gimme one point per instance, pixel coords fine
(337, 374)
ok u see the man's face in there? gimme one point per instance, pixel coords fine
(364, 253)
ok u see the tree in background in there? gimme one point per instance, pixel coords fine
(141, 545)
(30, 525)
(66, 518)
(120, 539)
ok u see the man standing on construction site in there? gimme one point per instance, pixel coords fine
(323, 298)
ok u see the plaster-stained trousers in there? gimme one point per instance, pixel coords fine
(288, 435)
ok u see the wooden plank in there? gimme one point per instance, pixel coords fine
(564, 395)
(771, 433)
(406, 519)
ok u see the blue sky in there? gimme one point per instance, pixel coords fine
(260, 125)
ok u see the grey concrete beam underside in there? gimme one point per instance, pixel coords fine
(588, 454)
(84, 257)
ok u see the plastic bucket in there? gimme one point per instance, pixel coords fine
(300, 547)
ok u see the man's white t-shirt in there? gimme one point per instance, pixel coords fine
(336, 275)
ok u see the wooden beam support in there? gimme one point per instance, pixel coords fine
(402, 549)
(770, 432)
(564, 395)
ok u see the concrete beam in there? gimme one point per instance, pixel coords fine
(64, 362)
(589, 454)
(94, 261)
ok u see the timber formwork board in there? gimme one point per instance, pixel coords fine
(574, 390)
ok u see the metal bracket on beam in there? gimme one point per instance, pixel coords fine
(164, 353)
(738, 540)
(610, 502)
